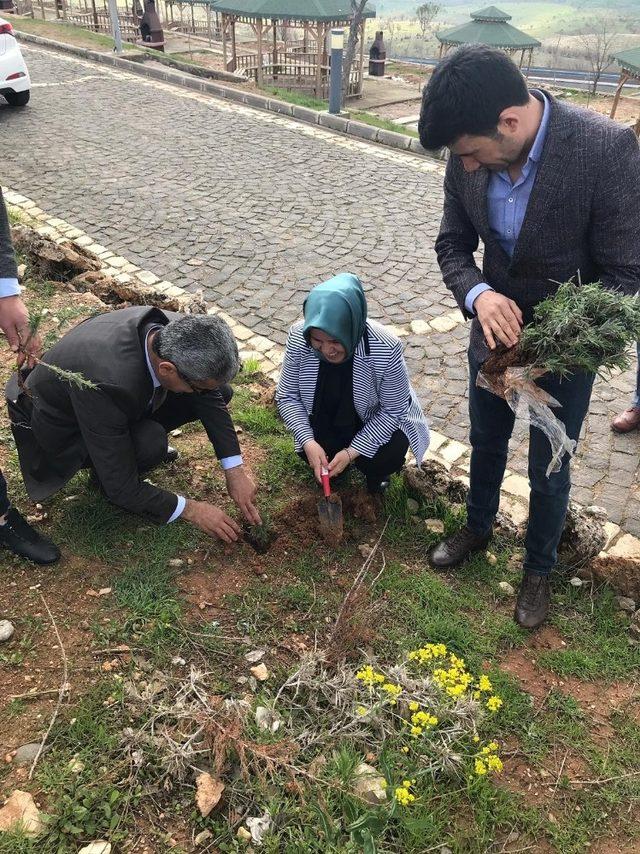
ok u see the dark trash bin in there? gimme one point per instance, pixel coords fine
(377, 56)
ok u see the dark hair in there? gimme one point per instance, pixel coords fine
(200, 346)
(466, 94)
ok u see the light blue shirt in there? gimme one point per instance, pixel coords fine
(507, 201)
(226, 463)
(9, 288)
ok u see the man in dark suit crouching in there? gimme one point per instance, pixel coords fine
(152, 371)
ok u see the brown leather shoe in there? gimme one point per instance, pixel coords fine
(457, 548)
(627, 421)
(534, 599)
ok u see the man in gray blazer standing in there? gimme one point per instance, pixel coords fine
(16, 534)
(553, 192)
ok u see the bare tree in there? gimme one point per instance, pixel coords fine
(427, 13)
(597, 45)
(357, 16)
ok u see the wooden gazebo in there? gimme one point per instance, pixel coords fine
(490, 26)
(300, 60)
(629, 62)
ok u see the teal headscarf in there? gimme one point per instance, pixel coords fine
(337, 307)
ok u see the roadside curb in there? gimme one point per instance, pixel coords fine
(454, 455)
(341, 124)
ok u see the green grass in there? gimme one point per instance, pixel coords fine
(67, 33)
(298, 98)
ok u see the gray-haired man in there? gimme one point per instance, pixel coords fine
(152, 371)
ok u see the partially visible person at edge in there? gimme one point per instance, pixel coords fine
(16, 534)
(552, 191)
(344, 390)
(152, 371)
(629, 419)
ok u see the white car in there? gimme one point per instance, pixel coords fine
(15, 83)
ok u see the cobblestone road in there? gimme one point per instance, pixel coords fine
(255, 208)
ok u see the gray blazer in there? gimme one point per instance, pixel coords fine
(583, 217)
(8, 267)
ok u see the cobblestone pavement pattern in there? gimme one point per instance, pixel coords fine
(255, 208)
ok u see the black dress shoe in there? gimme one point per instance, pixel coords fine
(377, 487)
(19, 537)
(172, 455)
(534, 598)
(456, 549)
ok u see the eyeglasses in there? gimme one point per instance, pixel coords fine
(194, 388)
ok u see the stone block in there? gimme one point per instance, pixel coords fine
(626, 547)
(305, 114)
(328, 120)
(258, 101)
(452, 451)
(395, 140)
(148, 278)
(444, 324)
(281, 107)
(363, 131)
(515, 484)
(420, 327)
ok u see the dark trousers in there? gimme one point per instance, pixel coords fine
(4, 498)
(149, 436)
(387, 459)
(491, 426)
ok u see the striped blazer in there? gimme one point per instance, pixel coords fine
(382, 392)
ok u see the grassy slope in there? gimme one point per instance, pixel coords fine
(112, 797)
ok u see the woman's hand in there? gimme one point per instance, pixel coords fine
(316, 457)
(341, 461)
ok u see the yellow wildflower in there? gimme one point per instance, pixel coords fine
(361, 710)
(369, 676)
(476, 738)
(494, 703)
(392, 690)
(480, 767)
(404, 749)
(493, 745)
(413, 706)
(484, 684)
(494, 763)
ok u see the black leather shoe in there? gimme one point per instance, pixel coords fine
(456, 549)
(534, 599)
(172, 455)
(19, 537)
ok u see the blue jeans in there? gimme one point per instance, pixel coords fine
(491, 426)
(636, 394)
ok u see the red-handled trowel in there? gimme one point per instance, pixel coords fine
(330, 512)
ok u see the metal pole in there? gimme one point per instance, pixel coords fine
(115, 26)
(335, 79)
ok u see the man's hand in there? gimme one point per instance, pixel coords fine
(316, 457)
(14, 322)
(242, 490)
(500, 318)
(211, 520)
(341, 461)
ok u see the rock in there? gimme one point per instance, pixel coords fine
(6, 630)
(507, 588)
(76, 765)
(260, 672)
(365, 549)
(202, 837)
(620, 572)
(512, 837)
(28, 752)
(491, 558)
(412, 505)
(576, 582)
(634, 628)
(434, 526)
(369, 785)
(259, 826)
(267, 719)
(50, 260)
(99, 847)
(22, 269)
(243, 834)
(583, 537)
(431, 481)
(208, 793)
(625, 604)
(20, 810)
(255, 655)
(175, 561)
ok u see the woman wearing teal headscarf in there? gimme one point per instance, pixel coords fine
(344, 390)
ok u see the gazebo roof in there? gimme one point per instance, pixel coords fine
(489, 26)
(297, 10)
(629, 60)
